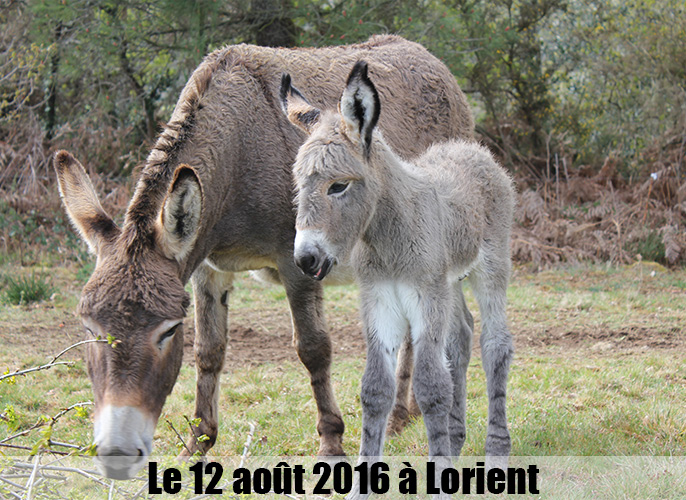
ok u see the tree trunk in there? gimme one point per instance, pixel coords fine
(51, 108)
(272, 24)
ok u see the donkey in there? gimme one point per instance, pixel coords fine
(215, 198)
(411, 232)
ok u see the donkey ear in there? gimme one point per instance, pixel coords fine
(360, 106)
(296, 108)
(180, 216)
(82, 204)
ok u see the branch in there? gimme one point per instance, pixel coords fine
(52, 362)
(171, 426)
(247, 444)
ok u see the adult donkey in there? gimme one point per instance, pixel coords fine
(214, 198)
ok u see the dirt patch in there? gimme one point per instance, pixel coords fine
(599, 340)
(270, 340)
(251, 347)
(248, 346)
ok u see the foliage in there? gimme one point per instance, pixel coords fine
(580, 77)
(26, 289)
(557, 86)
(33, 235)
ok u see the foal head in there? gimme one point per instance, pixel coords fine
(336, 187)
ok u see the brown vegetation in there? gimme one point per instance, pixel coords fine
(602, 217)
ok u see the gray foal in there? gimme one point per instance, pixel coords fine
(411, 232)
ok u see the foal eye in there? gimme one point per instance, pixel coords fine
(338, 187)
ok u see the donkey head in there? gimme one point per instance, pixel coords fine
(336, 186)
(136, 299)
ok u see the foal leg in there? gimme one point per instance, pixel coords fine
(385, 329)
(489, 283)
(313, 345)
(211, 290)
(459, 351)
(432, 380)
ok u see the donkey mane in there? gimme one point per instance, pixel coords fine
(157, 174)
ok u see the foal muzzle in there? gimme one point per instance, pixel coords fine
(310, 254)
(315, 266)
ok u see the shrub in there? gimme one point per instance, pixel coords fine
(26, 289)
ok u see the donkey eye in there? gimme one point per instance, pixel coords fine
(90, 333)
(338, 187)
(168, 334)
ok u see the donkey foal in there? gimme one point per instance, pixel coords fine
(411, 232)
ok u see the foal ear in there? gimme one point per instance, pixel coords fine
(83, 207)
(296, 108)
(180, 217)
(360, 106)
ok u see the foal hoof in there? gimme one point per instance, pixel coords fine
(497, 462)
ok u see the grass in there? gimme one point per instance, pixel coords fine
(25, 289)
(591, 378)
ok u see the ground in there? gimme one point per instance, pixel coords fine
(594, 314)
(599, 371)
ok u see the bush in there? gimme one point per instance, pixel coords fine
(26, 289)
(650, 247)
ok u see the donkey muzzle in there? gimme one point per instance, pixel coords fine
(117, 463)
(314, 265)
(123, 440)
(311, 255)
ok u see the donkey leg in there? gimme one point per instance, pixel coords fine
(459, 351)
(434, 391)
(211, 290)
(377, 394)
(313, 345)
(490, 287)
(405, 402)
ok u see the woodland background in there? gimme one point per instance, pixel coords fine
(584, 101)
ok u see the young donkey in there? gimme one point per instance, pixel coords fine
(411, 232)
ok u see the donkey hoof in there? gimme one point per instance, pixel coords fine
(397, 421)
(333, 459)
(331, 448)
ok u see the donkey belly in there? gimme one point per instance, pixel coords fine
(233, 262)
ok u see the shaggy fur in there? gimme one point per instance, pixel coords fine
(412, 232)
(230, 210)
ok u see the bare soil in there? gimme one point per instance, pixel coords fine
(247, 346)
(268, 338)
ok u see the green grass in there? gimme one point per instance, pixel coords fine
(25, 289)
(587, 398)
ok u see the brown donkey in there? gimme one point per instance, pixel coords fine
(215, 198)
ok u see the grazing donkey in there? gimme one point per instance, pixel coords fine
(412, 232)
(214, 198)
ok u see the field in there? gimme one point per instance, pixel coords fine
(599, 377)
